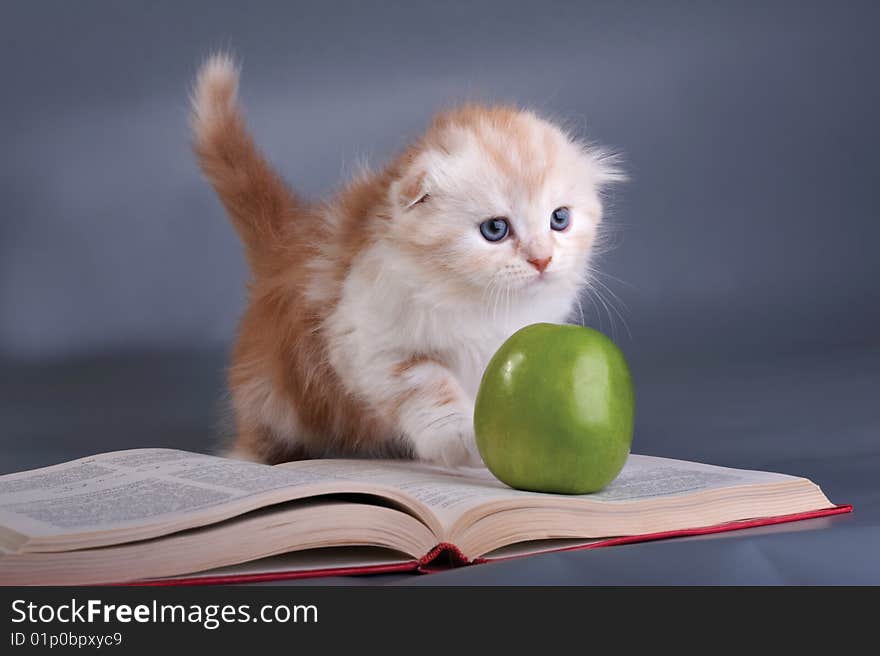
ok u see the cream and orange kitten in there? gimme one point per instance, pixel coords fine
(372, 314)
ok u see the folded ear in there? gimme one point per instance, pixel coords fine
(410, 189)
(605, 166)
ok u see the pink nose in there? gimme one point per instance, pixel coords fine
(541, 264)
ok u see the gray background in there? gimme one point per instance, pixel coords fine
(745, 244)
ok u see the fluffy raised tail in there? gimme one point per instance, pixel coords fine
(257, 199)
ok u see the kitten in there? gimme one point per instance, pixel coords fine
(372, 314)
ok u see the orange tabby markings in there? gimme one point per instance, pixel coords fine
(349, 297)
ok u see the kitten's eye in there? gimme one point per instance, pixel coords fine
(494, 229)
(560, 218)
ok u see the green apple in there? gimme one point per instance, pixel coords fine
(555, 410)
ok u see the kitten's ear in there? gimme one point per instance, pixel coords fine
(606, 167)
(410, 190)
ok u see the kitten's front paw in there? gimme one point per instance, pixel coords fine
(453, 444)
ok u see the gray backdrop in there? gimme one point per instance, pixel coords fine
(746, 241)
(749, 129)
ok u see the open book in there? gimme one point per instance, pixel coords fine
(165, 516)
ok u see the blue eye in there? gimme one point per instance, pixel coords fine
(560, 219)
(495, 229)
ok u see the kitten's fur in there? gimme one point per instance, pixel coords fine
(373, 314)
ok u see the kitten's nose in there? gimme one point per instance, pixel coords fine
(540, 264)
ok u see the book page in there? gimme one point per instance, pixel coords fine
(132, 488)
(451, 492)
(142, 493)
(325, 558)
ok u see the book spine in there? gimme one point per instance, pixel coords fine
(443, 556)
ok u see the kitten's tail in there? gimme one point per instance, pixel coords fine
(257, 199)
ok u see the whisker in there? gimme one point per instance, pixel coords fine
(616, 311)
(611, 292)
(598, 272)
(598, 314)
(580, 308)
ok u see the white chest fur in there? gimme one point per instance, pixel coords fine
(385, 315)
